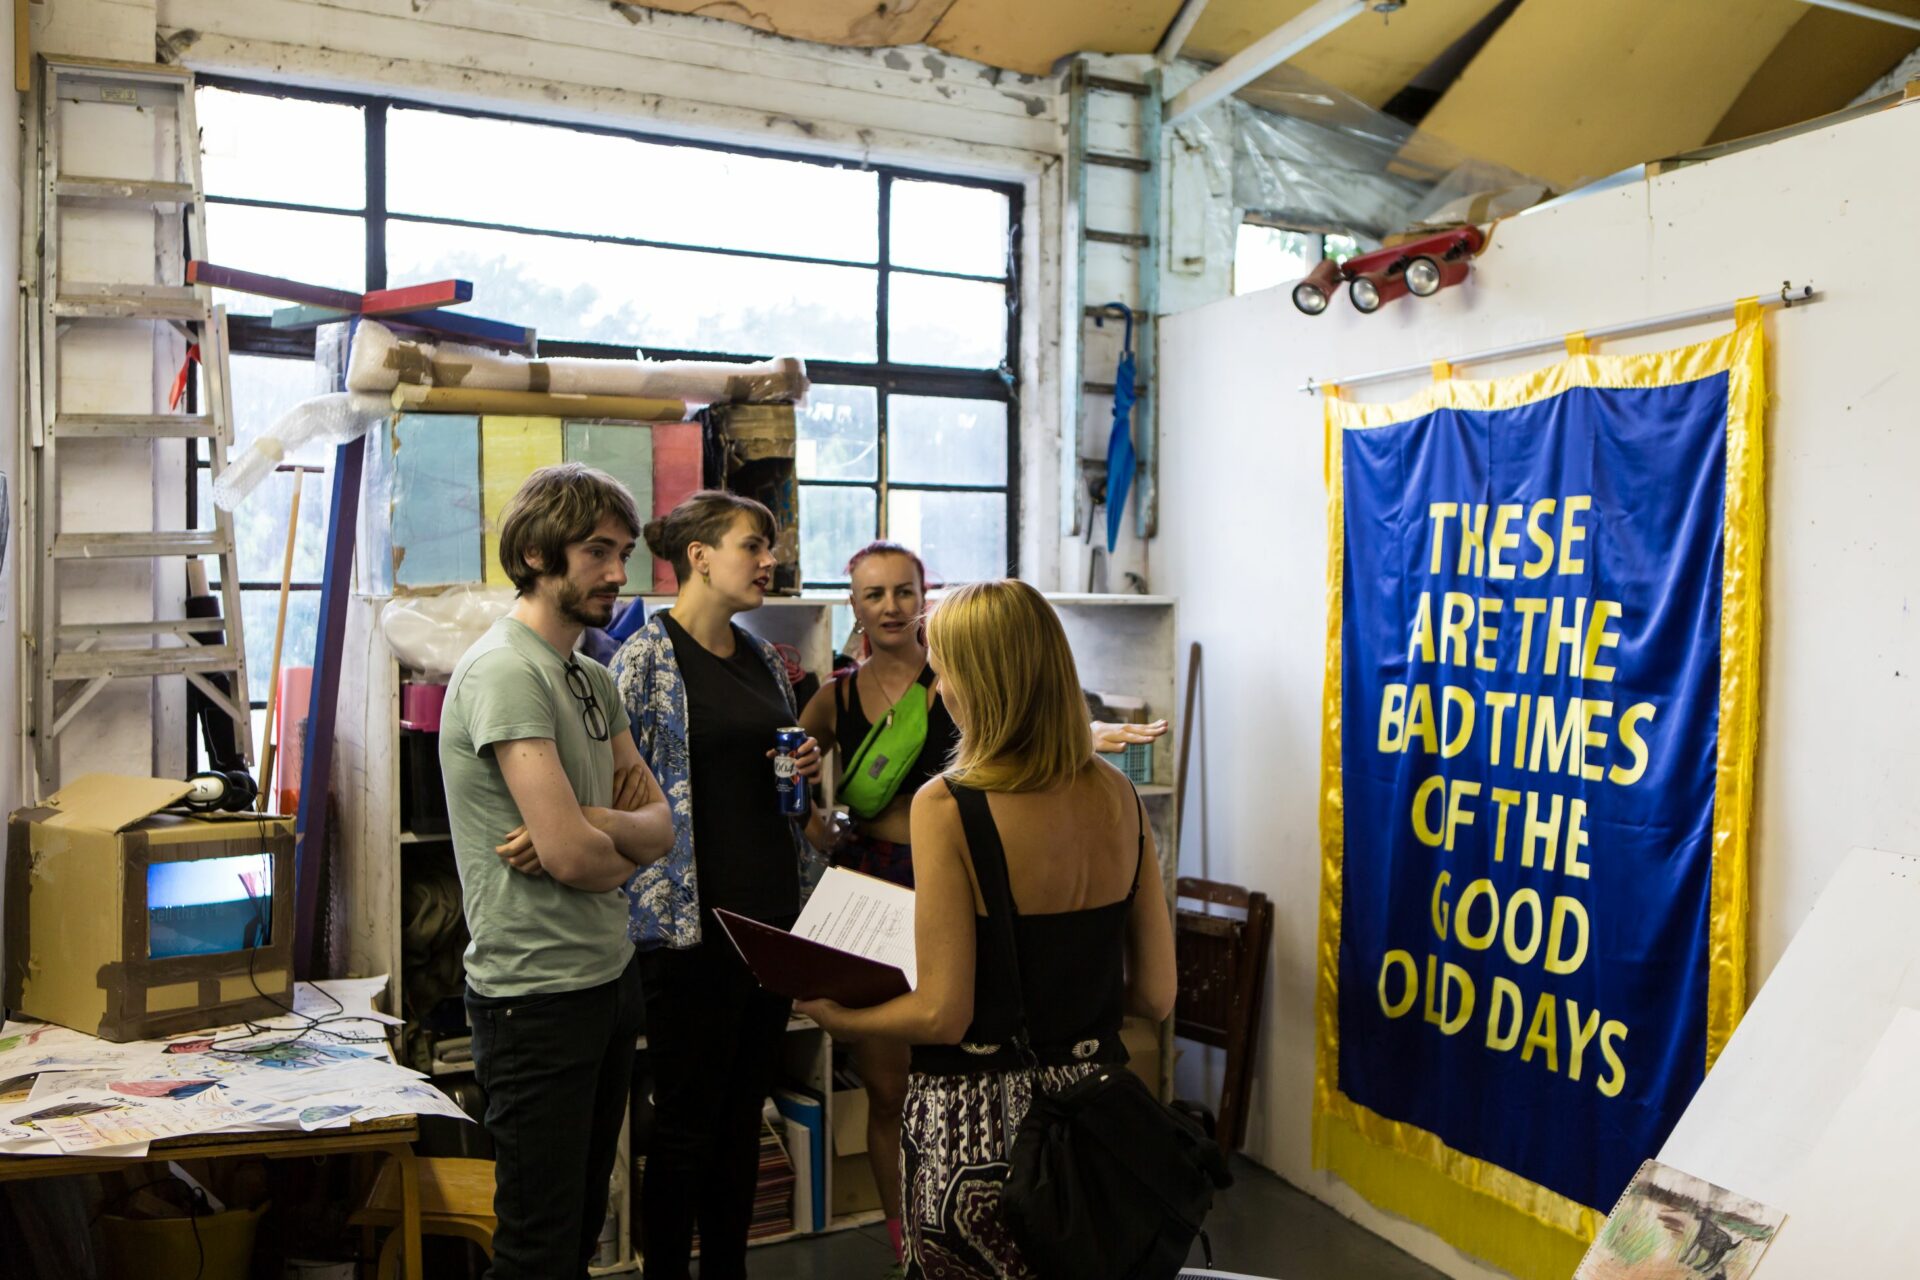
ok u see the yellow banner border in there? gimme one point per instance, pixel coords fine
(1408, 1170)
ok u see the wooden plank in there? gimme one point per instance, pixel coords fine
(391, 1134)
(624, 452)
(266, 286)
(307, 317)
(458, 324)
(511, 449)
(316, 767)
(1822, 64)
(1528, 99)
(416, 297)
(436, 499)
(1372, 58)
(22, 47)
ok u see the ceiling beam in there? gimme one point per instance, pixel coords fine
(1864, 11)
(1183, 25)
(1261, 57)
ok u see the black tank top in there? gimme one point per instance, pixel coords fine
(1072, 975)
(851, 726)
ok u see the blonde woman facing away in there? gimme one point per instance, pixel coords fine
(887, 588)
(1093, 934)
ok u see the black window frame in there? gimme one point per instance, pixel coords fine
(254, 335)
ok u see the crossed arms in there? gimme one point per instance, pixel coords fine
(582, 846)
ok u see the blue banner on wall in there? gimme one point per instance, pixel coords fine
(1540, 720)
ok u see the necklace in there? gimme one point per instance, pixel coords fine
(892, 701)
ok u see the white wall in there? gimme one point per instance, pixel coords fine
(1244, 539)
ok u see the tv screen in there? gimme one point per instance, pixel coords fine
(209, 905)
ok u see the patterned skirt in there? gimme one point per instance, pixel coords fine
(955, 1135)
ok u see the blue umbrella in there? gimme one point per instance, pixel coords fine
(1120, 441)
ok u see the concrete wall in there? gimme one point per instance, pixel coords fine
(1244, 540)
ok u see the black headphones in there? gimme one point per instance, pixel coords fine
(231, 791)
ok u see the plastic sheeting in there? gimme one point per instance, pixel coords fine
(428, 634)
(1305, 155)
(332, 419)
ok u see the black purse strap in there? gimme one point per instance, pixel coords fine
(996, 890)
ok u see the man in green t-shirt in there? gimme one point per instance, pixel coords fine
(552, 811)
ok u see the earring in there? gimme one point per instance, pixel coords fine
(706, 576)
(859, 628)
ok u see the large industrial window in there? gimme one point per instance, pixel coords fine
(898, 287)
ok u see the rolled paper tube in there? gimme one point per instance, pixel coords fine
(420, 399)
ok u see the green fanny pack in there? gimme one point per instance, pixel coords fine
(877, 768)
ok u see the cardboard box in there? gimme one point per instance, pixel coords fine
(759, 442)
(80, 930)
(854, 1190)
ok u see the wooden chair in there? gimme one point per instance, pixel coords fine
(1222, 962)
(456, 1199)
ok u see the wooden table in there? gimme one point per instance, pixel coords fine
(392, 1136)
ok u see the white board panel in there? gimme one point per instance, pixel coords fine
(1851, 1212)
(1855, 962)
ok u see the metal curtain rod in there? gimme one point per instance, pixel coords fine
(1785, 296)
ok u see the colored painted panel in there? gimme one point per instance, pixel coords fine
(436, 499)
(511, 449)
(625, 452)
(676, 473)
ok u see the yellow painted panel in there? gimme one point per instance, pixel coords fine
(1030, 37)
(857, 23)
(1372, 57)
(1826, 61)
(511, 449)
(176, 995)
(1570, 89)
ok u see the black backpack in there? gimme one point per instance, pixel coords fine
(1104, 1181)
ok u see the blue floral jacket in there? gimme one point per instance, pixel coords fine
(664, 897)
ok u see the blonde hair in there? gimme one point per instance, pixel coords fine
(1025, 718)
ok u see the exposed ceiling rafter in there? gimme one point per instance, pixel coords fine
(1261, 56)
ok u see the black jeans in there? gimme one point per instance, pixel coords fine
(714, 1037)
(557, 1070)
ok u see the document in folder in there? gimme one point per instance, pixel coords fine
(853, 944)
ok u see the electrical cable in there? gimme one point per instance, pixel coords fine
(310, 1023)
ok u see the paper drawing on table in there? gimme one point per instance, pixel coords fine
(1670, 1225)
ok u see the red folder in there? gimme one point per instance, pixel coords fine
(802, 969)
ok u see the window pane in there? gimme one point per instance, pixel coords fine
(674, 298)
(258, 609)
(566, 180)
(1264, 257)
(961, 536)
(315, 248)
(933, 440)
(948, 228)
(260, 528)
(834, 523)
(257, 147)
(961, 323)
(839, 434)
(264, 388)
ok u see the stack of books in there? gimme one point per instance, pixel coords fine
(773, 1194)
